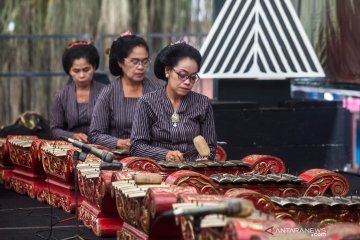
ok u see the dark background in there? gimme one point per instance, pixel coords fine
(259, 117)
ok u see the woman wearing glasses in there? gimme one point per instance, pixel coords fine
(167, 120)
(72, 106)
(113, 114)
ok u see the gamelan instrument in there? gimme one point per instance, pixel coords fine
(145, 202)
(28, 174)
(260, 164)
(24, 154)
(98, 208)
(59, 159)
(140, 201)
(314, 182)
(6, 166)
(323, 215)
(4, 154)
(140, 205)
(316, 211)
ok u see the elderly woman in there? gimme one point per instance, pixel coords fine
(73, 105)
(113, 114)
(167, 120)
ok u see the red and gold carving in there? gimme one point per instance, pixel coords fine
(5, 160)
(280, 190)
(35, 156)
(103, 197)
(88, 219)
(309, 212)
(58, 200)
(260, 164)
(185, 222)
(19, 150)
(156, 202)
(98, 209)
(141, 164)
(261, 201)
(129, 232)
(122, 175)
(59, 167)
(285, 185)
(121, 203)
(22, 187)
(201, 198)
(320, 215)
(129, 209)
(62, 166)
(102, 224)
(149, 203)
(95, 187)
(264, 164)
(26, 184)
(203, 184)
(256, 226)
(249, 229)
(220, 154)
(88, 176)
(187, 230)
(20, 157)
(320, 181)
(6, 174)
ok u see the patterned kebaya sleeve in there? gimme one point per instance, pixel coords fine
(99, 131)
(58, 122)
(140, 134)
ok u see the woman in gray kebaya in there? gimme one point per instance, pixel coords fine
(72, 107)
(167, 120)
(113, 114)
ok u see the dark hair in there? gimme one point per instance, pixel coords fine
(171, 55)
(121, 48)
(80, 49)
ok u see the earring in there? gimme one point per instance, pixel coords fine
(166, 75)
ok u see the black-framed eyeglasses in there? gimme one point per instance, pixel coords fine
(137, 62)
(183, 76)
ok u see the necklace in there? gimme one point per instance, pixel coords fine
(175, 118)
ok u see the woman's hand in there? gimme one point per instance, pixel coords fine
(81, 137)
(174, 156)
(123, 143)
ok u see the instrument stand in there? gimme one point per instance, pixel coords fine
(78, 156)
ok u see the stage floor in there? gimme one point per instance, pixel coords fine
(22, 217)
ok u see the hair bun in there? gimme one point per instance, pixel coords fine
(160, 62)
(171, 54)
